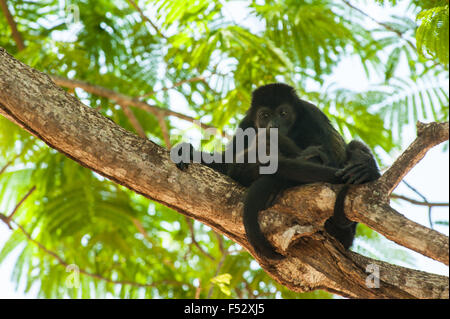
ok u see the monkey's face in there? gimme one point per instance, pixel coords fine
(282, 117)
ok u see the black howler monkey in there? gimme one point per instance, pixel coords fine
(310, 150)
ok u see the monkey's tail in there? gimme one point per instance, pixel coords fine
(339, 226)
(259, 194)
(338, 215)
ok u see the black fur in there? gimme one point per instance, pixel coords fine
(310, 150)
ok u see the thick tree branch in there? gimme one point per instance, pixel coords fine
(314, 259)
(364, 204)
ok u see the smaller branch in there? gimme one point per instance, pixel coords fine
(430, 208)
(384, 25)
(198, 289)
(165, 131)
(3, 169)
(62, 262)
(194, 79)
(415, 282)
(428, 136)
(9, 218)
(250, 293)
(220, 241)
(194, 241)
(124, 100)
(140, 228)
(219, 267)
(145, 18)
(5, 220)
(134, 121)
(419, 203)
(396, 227)
(12, 24)
(415, 191)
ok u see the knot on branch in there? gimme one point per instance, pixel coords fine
(434, 130)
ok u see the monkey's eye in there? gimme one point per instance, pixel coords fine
(265, 115)
(283, 113)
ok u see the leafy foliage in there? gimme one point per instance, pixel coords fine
(432, 35)
(82, 236)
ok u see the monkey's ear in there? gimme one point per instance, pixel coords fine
(303, 107)
(246, 122)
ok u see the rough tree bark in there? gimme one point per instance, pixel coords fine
(294, 225)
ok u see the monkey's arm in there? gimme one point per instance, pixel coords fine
(302, 171)
(183, 162)
(246, 173)
(287, 147)
(315, 154)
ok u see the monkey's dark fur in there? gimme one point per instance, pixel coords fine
(310, 150)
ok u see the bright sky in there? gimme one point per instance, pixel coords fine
(430, 176)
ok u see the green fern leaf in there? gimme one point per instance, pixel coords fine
(432, 35)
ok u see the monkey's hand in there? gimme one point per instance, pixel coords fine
(361, 166)
(181, 160)
(286, 147)
(315, 154)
